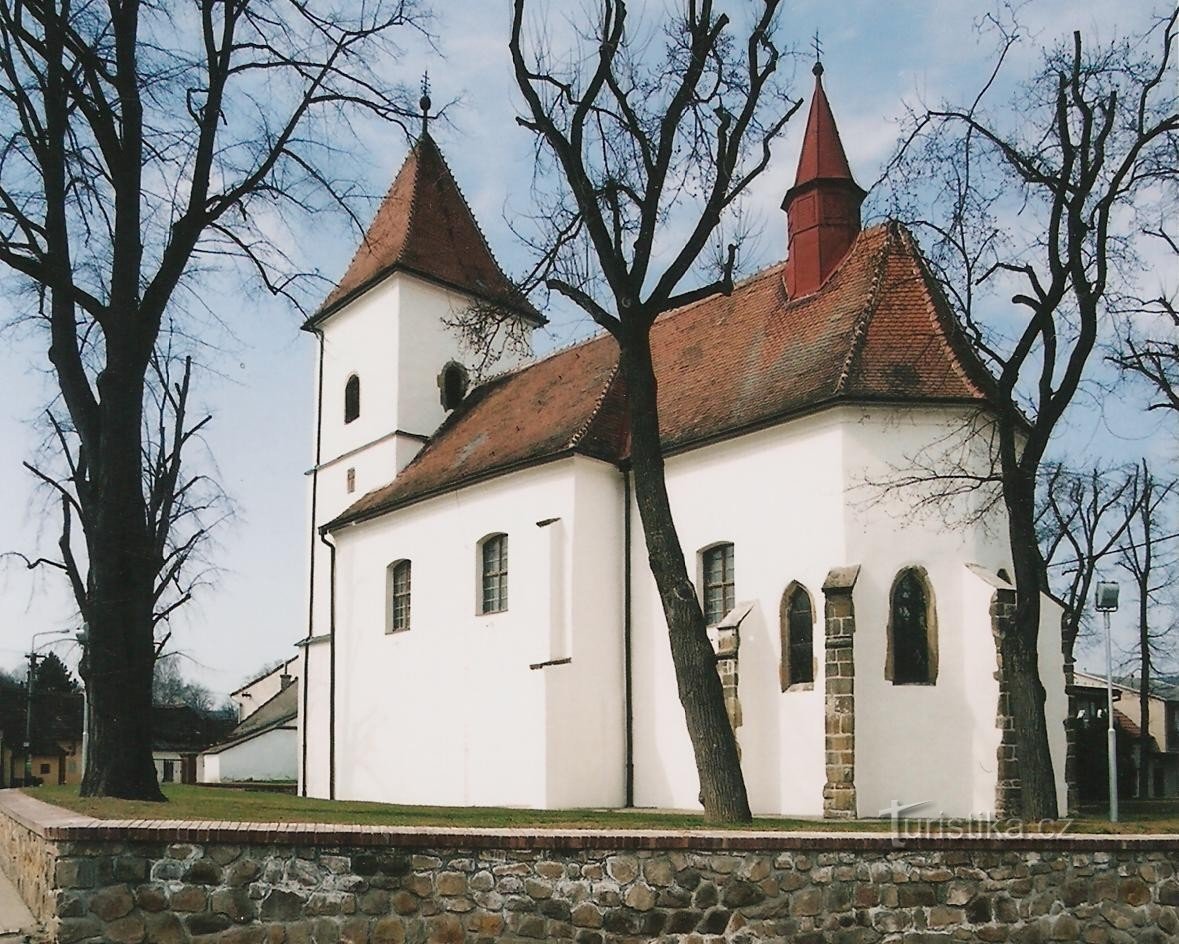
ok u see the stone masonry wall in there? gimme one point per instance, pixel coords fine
(156, 882)
(131, 892)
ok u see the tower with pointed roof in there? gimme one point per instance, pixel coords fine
(392, 362)
(823, 206)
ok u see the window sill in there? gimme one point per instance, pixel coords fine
(897, 684)
(398, 631)
(799, 687)
(544, 665)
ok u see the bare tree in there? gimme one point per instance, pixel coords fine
(141, 141)
(1155, 356)
(1147, 560)
(1082, 519)
(1082, 147)
(646, 150)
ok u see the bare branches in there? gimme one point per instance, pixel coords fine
(643, 137)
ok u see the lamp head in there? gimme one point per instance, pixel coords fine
(1106, 598)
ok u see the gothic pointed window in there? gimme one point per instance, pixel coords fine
(351, 399)
(912, 630)
(798, 632)
(719, 583)
(397, 596)
(493, 557)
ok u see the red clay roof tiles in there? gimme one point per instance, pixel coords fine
(877, 330)
(425, 226)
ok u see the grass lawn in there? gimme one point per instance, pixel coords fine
(215, 803)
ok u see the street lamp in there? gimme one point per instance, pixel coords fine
(1106, 602)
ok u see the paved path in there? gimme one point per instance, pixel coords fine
(16, 921)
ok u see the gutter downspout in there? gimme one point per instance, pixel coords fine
(627, 684)
(331, 667)
(311, 557)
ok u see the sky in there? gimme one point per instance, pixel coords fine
(256, 375)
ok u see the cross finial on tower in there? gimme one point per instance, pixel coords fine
(424, 101)
(817, 68)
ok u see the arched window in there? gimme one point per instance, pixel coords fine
(397, 596)
(351, 399)
(797, 624)
(912, 630)
(453, 382)
(719, 584)
(493, 558)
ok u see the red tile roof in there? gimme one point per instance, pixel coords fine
(822, 154)
(878, 330)
(425, 226)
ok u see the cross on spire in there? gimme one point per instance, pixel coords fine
(817, 45)
(424, 101)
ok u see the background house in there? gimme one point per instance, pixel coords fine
(1162, 759)
(56, 737)
(264, 745)
(180, 733)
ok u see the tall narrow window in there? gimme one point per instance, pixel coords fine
(397, 596)
(798, 628)
(351, 399)
(494, 557)
(912, 635)
(719, 597)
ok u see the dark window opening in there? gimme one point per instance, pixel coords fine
(44, 768)
(910, 630)
(453, 382)
(495, 574)
(351, 399)
(719, 586)
(798, 638)
(169, 771)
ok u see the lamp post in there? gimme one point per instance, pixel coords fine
(1106, 602)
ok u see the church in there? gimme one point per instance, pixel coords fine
(483, 626)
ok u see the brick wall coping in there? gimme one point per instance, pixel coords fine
(61, 825)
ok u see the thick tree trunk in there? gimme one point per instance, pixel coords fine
(121, 652)
(1019, 652)
(713, 741)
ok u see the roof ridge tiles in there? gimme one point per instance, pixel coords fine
(576, 438)
(860, 328)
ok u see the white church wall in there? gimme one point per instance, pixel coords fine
(425, 310)
(450, 711)
(924, 743)
(776, 494)
(585, 698)
(313, 724)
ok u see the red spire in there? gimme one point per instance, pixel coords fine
(823, 206)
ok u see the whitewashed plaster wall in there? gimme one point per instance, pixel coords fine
(929, 743)
(314, 740)
(269, 756)
(777, 495)
(451, 711)
(393, 337)
(396, 340)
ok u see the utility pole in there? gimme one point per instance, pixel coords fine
(32, 657)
